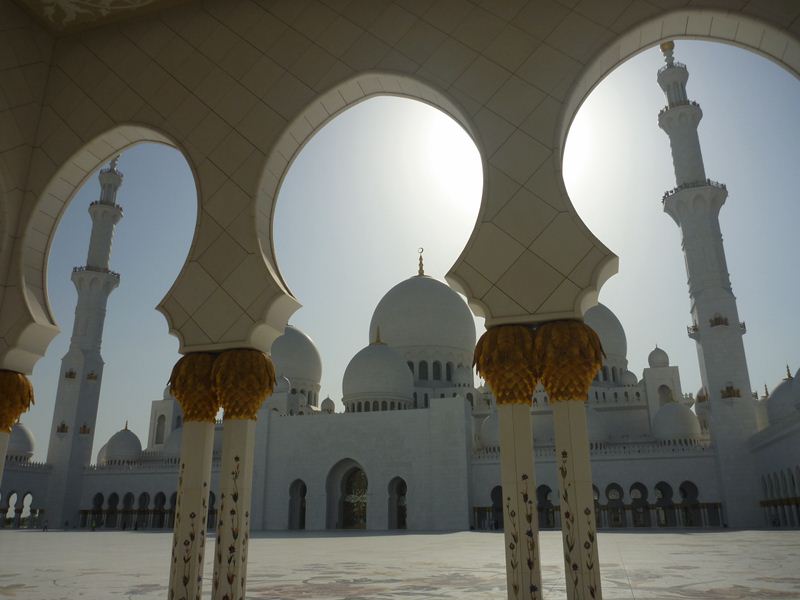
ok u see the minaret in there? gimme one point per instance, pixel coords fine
(694, 205)
(72, 431)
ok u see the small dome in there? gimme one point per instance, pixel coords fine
(282, 384)
(783, 401)
(123, 446)
(596, 425)
(328, 406)
(629, 378)
(296, 357)
(20, 442)
(658, 358)
(422, 311)
(490, 431)
(607, 326)
(675, 421)
(378, 371)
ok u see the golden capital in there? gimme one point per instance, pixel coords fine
(568, 355)
(243, 378)
(16, 397)
(192, 384)
(503, 358)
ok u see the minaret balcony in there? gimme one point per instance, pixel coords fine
(676, 104)
(674, 65)
(692, 185)
(692, 331)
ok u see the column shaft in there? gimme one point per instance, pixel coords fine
(578, 527)
(233, 524)
(191, 511)
(520, 518)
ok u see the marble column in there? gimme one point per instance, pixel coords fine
(192, 385)
(578, 525)
(503, 356)
(233, 521)
(191, 511)
(568, 355)
(243, 379)
(520, 517)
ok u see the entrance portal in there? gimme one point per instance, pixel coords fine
(397, 504)
(354, 500)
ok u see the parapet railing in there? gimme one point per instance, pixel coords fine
(693, 184)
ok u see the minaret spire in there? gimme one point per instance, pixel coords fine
(694, 205)
(78, 395)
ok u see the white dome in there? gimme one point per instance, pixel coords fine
(296, 357)
(101, 455)
(422, 311)
(658, 358)
(629, 378)
(490, 431)
(378, 371)
(123, 446)
(607, 326)
(596, 425)
(675, 421)
(783, 401)
(20, 442)
(328, 406)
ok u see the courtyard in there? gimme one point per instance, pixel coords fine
(321, 566)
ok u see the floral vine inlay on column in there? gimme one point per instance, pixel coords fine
(511, 515)
(530, 537)
(234, 527)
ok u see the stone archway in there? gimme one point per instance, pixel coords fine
(347, 495)
(33, 325)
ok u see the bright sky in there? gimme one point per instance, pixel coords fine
(391, 175)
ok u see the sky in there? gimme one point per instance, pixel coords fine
(391, 175)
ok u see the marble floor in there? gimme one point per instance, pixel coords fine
(466, 565)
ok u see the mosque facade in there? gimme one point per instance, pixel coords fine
(417, 444)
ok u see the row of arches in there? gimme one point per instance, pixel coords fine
(347, 500)
(18, 511)
(614, 510)
(375, 406)
(435, 373)
(130, 512)
(781, 497)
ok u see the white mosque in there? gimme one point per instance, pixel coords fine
(417, 444)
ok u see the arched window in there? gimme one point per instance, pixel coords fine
(690, 505)
(366, 406)
(437, 370)
(178, 422)
(160, 424)
(605, 373)
(426, 400)
(374, 405)
(448, 368)
(297, 504)
(470, 398)
(613, 373)
(384, 405)
(423, 370)
(391, 406)
(664, 395)
(398, 511)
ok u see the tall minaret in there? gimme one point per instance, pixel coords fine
(694, 205)
(72, 432)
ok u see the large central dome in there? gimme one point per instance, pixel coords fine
(422, 311)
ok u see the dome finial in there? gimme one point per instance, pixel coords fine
(766, 391)
(126, 424)
(378, 341)
(421, 271)
(788, 372)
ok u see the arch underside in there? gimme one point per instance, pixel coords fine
(530, 257)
